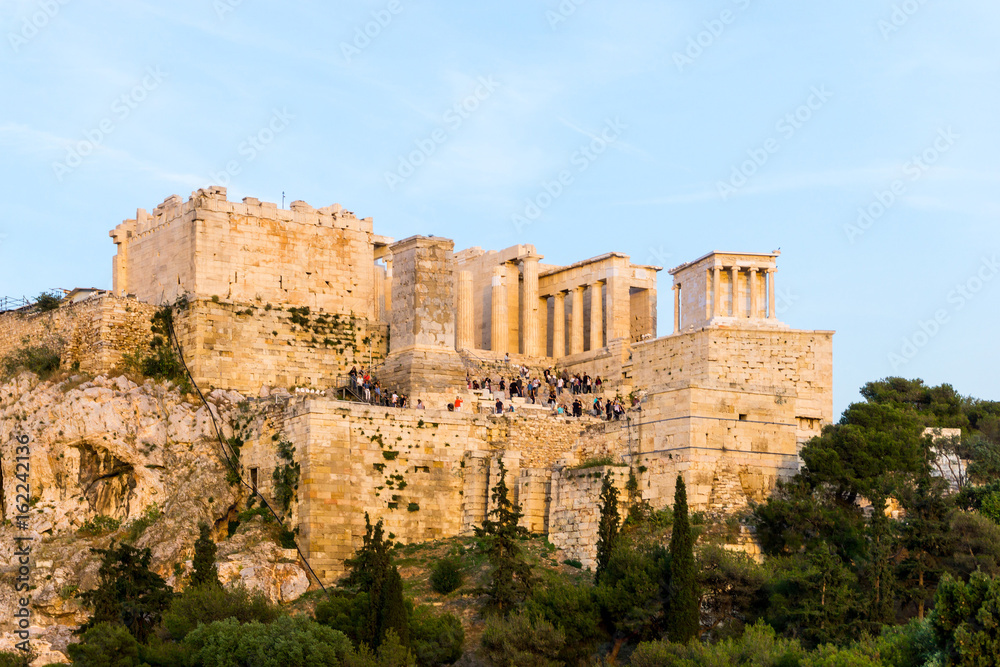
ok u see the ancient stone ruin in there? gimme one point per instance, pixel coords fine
(280, 304)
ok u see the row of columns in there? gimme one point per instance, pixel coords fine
(576, 324)
(532, 307)
(756, 309)
(499, 315)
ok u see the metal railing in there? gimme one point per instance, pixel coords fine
(14, 303)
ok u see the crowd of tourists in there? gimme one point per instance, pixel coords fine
(370, 390)
(565, 393)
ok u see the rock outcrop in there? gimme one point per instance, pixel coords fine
(140, 455)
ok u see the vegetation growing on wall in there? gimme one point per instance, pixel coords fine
(158, 360)
(285, 476)
(41, 360)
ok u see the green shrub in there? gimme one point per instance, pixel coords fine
(446, 576)
(573, 610)
(345, 612)
(135, 529)
(40, 360)
(596, 462)
(572, 562)
(16, 658)
(286, 538)
(521, 640)
(47, 301)
(287, 642)
(207, 604)
(105, 645)
(436, 639)
(99, 525)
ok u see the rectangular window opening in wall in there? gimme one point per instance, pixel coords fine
(743, 417)
(253, 479)
(421, 469)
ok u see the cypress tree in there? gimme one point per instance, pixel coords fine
(371, 572)
(683, 617)
(510, 580)
(607, 529)
(204, 559)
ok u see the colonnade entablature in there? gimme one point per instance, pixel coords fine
(726, 288)
(509, 302)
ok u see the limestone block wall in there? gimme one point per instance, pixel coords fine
(94, 333)
(422, 357)
(541, 441)
(534, 488)
(799, 362)
(245, 346)
(730, 408)
(404, 466)
(248, 251)
(575, 513)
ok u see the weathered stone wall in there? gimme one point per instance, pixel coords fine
(94, 333)
(729, 409)
(422, 361)
(427, 473)
(249, 251)
(541, 440)
(575, 508)
(246, 346)
(404, 466)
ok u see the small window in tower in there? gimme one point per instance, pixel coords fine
(253, 479)
(743, 418)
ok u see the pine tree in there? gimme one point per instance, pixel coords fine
(926, 538)
(879, 577)
(371, 572)
(204, 572)
(683, 616)
(127, 593)
(510, 580)
(607, 529)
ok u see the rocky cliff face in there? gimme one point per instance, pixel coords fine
(139, 454)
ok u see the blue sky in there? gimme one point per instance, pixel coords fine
(676, 127)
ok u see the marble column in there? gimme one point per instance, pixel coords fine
(596, 315)
(754, 301)
(717, 291)
(770, 293)
(576, 322)
(734, 272)
(463, 319)
(498, 322)
(529, 305)
(542, 317)
(559, 325)
(677, 307)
